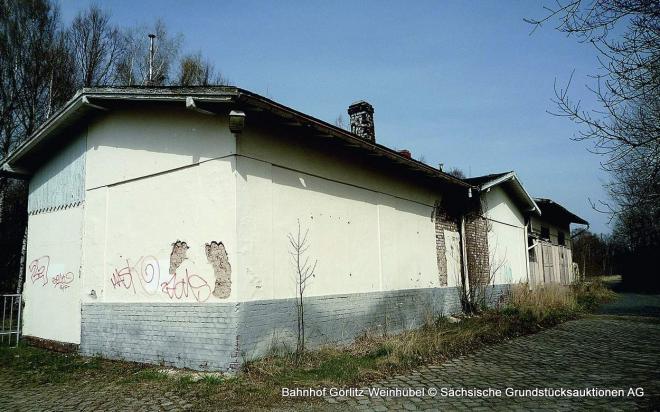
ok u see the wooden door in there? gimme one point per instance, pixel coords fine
(548, 263)
(563, 267)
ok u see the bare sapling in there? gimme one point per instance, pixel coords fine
(305, 270)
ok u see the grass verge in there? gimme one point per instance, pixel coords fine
(371, 357)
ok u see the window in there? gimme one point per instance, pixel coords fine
(561, 239)
(531, 248)
(545, 233)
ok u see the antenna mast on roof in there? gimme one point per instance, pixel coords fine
(151, 58)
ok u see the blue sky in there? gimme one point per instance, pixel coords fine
(460, 83)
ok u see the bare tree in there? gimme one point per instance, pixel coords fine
(132, 67)
(340, 122)
(298, 246)
(95, 45)
(625, 126)
(456, 172)
(33, 81)
(62, 79)
(32, 28)
(195, 71)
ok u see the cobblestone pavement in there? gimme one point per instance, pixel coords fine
(605, 351)
(88, 396)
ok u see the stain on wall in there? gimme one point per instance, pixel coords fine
(217, 257)
(178, 255)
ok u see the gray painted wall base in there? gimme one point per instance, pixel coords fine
(221, 336)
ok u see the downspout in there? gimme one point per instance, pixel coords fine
(525, 237)
(465, 274)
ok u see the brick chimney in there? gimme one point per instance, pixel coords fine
(362, 120)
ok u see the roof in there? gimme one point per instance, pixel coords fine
(552, 210)
(510, 181)
(480, 180)
(90, 102)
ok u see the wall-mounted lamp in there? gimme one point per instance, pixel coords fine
(92, 293)
(236, 121)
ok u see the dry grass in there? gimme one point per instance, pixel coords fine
(371, 357)
(375, 356)
(542, 303)
(590, 295)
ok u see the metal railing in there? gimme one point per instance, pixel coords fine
(11, 319)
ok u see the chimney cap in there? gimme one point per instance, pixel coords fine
(360, 106)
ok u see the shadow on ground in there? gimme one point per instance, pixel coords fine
(632, 304)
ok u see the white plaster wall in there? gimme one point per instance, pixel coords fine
(408, 248)
(506, 238)
(142, 220)
(501, 207)
(292, 152)
(507, 253)
(154, 178)
(367, 231)
(129, 144)
(52, 282)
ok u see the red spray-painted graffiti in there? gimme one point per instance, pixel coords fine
(63, 280)
(180, 286)
(38, 269)
(145, 272)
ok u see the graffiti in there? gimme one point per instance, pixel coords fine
(122, 277)
(39, 270)
(145, 272)
(178, 282)
(62, 280)
(182, 286)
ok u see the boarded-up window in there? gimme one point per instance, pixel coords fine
(561, 238)
(545, 233)
(532, 254)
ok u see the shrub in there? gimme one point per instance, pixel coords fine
(590, 295)
(546, 304)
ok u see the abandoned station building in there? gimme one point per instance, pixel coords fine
(159, 223)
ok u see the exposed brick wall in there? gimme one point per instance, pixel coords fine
(50, 344)
(443, 221)
(196, 336)
(221, 336)
(476, 245)
(339, 319)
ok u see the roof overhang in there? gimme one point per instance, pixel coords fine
(554, 211)
(511, 181)
(217, 100)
